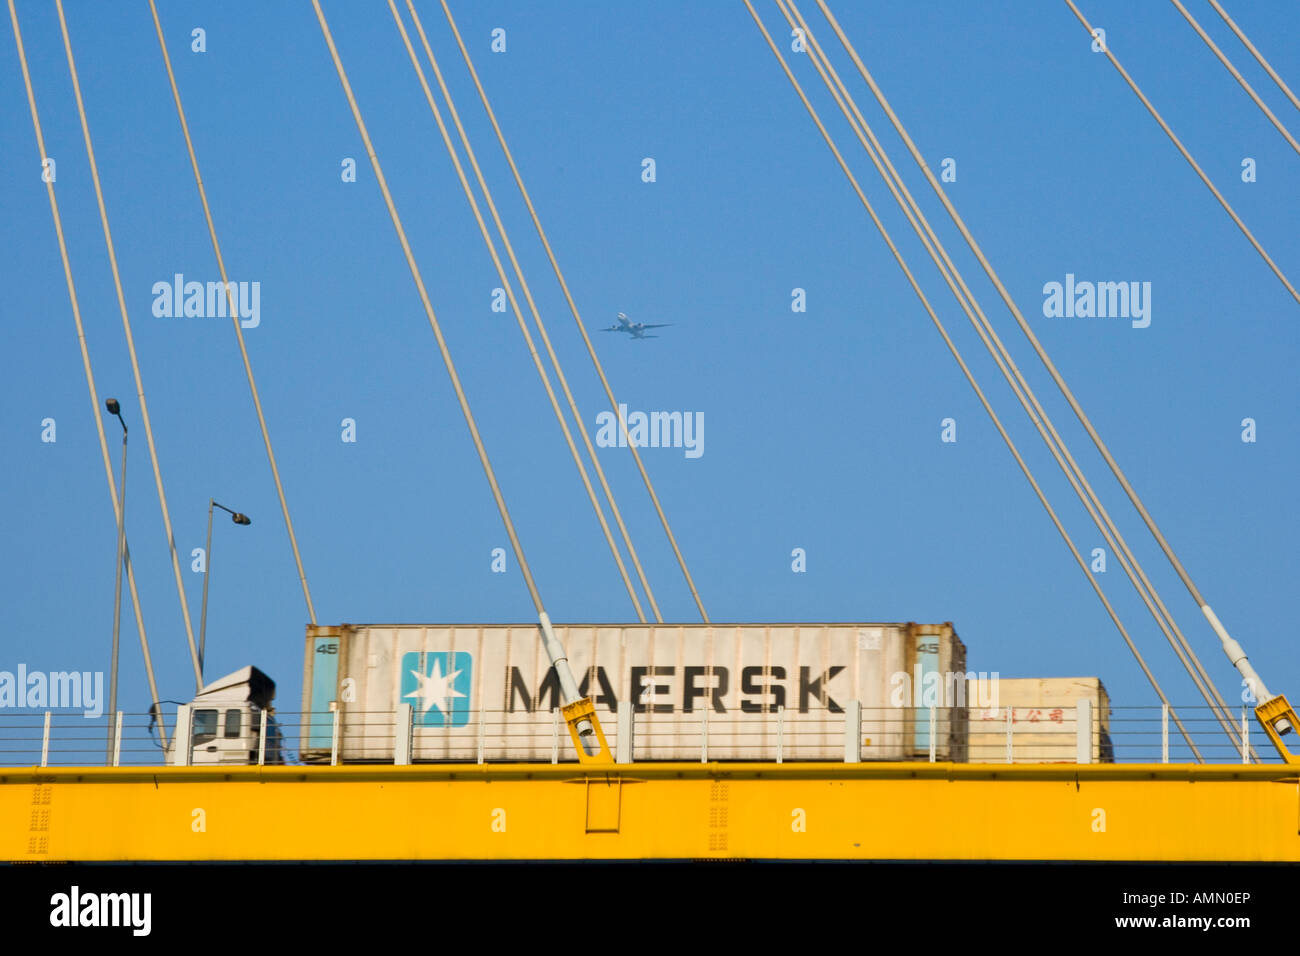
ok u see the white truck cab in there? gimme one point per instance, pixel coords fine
(223, 724)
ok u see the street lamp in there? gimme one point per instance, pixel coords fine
(237, 518)
(115, 409)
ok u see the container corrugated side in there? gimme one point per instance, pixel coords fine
(730, 685)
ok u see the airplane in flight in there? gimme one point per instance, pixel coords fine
(634, 329)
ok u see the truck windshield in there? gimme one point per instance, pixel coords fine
(205, 726)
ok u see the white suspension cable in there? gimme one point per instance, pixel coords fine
(553, 648)
(1259, 57)
(1006, 364)
(85, 362)
(1182, 149)
(514, 303)
(1286, 134)
(577, 318)
(966, 371)
(1234, 651)
(130, 346)
(239, 332)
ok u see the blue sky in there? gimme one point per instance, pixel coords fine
(822, 427)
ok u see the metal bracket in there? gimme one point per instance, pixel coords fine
(1270, 714)
(576, 713)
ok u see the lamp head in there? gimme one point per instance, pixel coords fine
(113, 407)
(238, 518)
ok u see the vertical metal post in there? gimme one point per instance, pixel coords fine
(117, 739)
(181, 746)
(1083, 731)
(117, 596)
(933, 736)
(334, 740)
(555, 735)
(623, 749)
(1245, 737)
(482, 734)
(853, 732)
(780, 734)
(402, 721)
(1009, 719)
(704, 736)
(1164, 733)
(261, 736)
(45, 742)
(207, 571)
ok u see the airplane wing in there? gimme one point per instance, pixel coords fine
(662, 325)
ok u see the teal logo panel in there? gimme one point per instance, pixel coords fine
(437, 685)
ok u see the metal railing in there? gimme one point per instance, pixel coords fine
(851, 733)
(68, 739)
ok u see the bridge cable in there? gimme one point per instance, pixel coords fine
(130, 343)
(1234, 651)
(1259, 57)
(239, 333)
(956, 353)
(573, 307)
(533, 592)
(1236, 75)
(85, 361)
(528, 339)
(1006, 364)
(636, 561)
(1182, 149)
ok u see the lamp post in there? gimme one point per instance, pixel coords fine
(115, 409)
(237, 518)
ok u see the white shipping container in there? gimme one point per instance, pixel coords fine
(1043, 725)
(722, 691)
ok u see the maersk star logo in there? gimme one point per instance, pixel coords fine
(436, 684)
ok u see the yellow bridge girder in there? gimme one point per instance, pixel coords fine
(790, 811)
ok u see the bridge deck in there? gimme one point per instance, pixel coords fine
(790, 811)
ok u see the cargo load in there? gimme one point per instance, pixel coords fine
(1041, 713)
(694, 691)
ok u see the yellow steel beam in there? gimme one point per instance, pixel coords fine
(895, 811)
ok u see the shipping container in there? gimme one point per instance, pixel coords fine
(695, 691)
(1043, 726)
